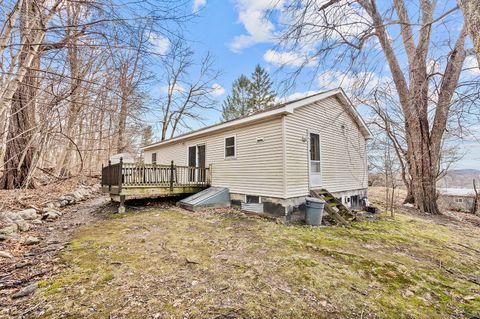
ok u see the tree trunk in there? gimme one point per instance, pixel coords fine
(475, 207)
(122, 124)
(409, 199)
(74, 108)
(471, 12)
(19, 149)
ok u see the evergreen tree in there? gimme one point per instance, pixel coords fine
(249, 95)
(236, 104)
(262, 94)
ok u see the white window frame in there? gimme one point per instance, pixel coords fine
(259, 198)
(225, 157)
(151, 158)
(310, 186)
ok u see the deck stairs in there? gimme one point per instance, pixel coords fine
(212, 197)
(338, 213)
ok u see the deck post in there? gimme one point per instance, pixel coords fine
(171, 176)
(209, 180)
(120, 175)
(121, 208)
(109, 175)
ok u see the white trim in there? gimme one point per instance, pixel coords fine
(259, 198)
(288, 108)
(225, 157)
(151, 158)
(196, 145)
(188, 154)
(284, 146)
(309, 159)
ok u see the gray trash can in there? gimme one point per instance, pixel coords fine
(314, 211)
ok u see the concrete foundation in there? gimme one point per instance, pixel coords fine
(293, 209)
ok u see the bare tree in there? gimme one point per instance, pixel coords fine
(187, 93)
(347, 30)
(70, 81)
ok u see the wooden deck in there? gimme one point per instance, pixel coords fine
(138, 180)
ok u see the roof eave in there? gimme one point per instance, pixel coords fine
(222, 126)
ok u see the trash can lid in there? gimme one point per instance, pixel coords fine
(314, 199)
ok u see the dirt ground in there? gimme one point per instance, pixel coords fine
(32, 263)
(159, 261)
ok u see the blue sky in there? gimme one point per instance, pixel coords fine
(237, 35)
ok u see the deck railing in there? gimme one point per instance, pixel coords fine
(154, 175)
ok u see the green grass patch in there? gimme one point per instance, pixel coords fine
(204, 265)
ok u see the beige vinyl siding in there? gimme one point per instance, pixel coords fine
(342, 154)
(257, 168)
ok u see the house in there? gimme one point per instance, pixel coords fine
(457, 199)
(277, 156)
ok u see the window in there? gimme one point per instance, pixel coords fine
(230, 147)
(252, 199)
(154, 158)
(314, 153)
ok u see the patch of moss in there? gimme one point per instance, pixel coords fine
(235, 266)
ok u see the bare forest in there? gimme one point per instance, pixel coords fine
(74, 82)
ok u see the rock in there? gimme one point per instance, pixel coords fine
(5, 254)
(3, 237)
(22, 225)
(50, 205)
(63, 202)
(28, 214)
(5, 217)
(79, 195)
(31, 240)
(192, 260)
(50, 215)
(11, 216)
(36, 222)
(9, 229)
(70, 198)
(28, 290)
(408, 293)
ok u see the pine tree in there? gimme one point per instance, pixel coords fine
(249, 95)
(262, 94)
(236, 104)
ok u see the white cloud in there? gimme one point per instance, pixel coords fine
(295, 96)
(177, 89)
(252, 14)
(160, 43)
(217, 89)
(198, 4)
(293, 59)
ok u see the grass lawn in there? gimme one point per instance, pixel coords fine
(176, 264)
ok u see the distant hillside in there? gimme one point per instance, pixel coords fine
(460, 178)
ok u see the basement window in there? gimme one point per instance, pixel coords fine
(230, 148)
(252, 199)
(154, 158)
